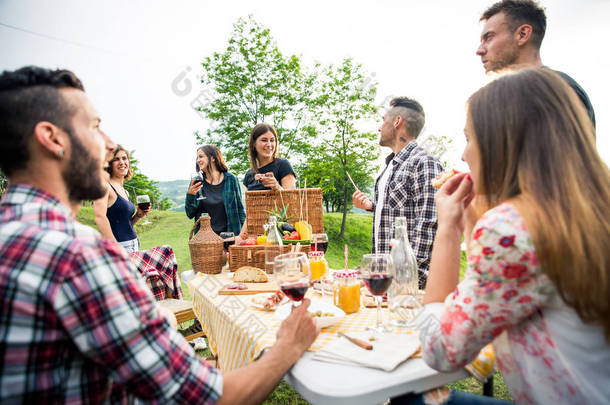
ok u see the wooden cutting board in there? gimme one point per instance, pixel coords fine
(253, 288)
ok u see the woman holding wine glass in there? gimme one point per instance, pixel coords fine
(115, 215)
(267, 170)
(216, 193)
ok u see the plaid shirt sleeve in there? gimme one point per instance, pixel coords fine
(113, 320)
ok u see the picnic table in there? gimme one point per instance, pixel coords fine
(238, 334)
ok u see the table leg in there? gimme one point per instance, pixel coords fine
(488, 387)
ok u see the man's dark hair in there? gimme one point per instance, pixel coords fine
(28, 96)
(519, 12)
(411, 112)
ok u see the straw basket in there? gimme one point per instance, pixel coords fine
(309, 201)
(207, 254)
(249, 255)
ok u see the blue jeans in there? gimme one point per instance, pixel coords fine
(455, 398)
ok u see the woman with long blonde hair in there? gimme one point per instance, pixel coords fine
(537, 282)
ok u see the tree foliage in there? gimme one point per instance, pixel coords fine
(346, 100)
(253, 82)
(318, 113)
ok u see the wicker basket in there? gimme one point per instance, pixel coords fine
(207, 254)
(249, 255)
(259, 202)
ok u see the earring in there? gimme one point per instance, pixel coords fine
(60, 153)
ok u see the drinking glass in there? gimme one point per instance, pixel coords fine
(197, 177)
(143, 202)
(292, 274)
(319, 241)
(228, 239)
(377, 272)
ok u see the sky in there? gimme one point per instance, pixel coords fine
(140, 60)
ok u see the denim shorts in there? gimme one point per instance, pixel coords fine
(131, 245)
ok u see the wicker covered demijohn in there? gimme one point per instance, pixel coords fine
(207, 254)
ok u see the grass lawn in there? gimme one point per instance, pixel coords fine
(173, 228)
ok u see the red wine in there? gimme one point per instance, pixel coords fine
(144, 206)
(295, 291)
(378, 283)
(322, 246)
(228, 242)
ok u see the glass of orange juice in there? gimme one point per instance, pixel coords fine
(346, 294)
(318, 265)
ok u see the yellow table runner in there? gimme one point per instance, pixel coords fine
(238, 333)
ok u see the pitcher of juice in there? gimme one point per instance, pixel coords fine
(346, 293)
(318, 265)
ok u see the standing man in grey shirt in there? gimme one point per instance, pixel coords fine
(511, 38)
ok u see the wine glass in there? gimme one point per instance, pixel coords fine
(377, 272)
(292, 274)
(143, 202)
(319, 241)
(197, 177)
(229, 239)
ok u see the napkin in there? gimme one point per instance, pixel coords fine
(389, 350)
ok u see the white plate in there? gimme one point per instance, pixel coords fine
(324, 321)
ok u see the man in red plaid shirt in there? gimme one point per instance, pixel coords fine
(74, 315)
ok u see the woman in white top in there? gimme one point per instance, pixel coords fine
(538, 276)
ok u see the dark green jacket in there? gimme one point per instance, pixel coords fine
(231, 196)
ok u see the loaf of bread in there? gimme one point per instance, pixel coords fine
(249, 274)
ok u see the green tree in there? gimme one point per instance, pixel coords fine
(346, 101)
(253, 82)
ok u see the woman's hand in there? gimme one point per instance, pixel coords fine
(452, 201)
(269, 180)
(142, 213)
(194, 187)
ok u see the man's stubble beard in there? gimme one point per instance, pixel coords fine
(505, 60)
(82, 174)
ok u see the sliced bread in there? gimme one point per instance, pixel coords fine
(249, 274)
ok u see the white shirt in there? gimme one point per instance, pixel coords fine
(383, 180)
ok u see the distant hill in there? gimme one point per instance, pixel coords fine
(175, 190)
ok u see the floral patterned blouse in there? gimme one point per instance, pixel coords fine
(545, 352)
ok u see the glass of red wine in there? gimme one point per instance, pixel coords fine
(377, 272)
(292, 274)
(319, 241)
(197, 177)
(143, 202)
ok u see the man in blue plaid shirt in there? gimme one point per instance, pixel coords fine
(404, 187)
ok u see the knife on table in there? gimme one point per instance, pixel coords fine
(357, 342)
